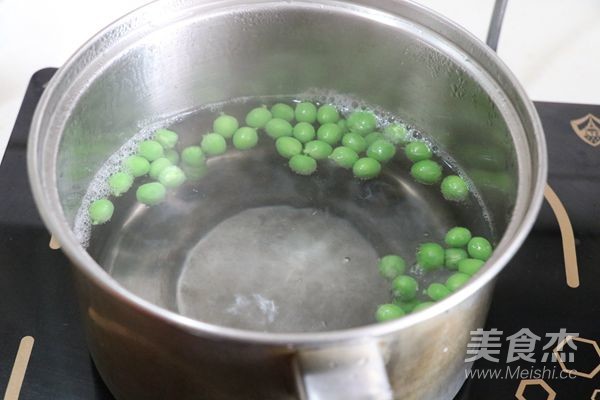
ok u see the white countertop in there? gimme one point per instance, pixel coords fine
(551, 45)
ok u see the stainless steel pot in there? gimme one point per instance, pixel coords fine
(173, 55)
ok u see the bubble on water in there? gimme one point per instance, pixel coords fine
(347, 260)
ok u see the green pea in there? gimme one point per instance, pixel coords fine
(166, 138)
(396, 133)
(213, 144)
(329, 133)
(136, 166)
(453, 256)
(373, 137)
(151, 193)
(306, 112)
(456, 280)
(391, 266)
(405, 287)
(470, 266)
(304, 132)
(343, 125)
(458, 237)
(361, 122)
(172, 177)
(120, 183)
(343, 156)
(278, 127)
(426, 171)
(437, 291)
(317, 149)
(430, 256)
(388, 312)
(282, 111)
(150, 150)
(193, 156)
(407, 306)
(245, 138)
(194, 173)
(288, 146)
(454, 188)
(479, 248)
(225, 125)
(355, 142)
(327, 114)
(381, 150)
(157, 166)
(100, 211)
(417, 151)
(303, 165)
(422, 306)
(366, 168)
(172, 156)
(258, 117)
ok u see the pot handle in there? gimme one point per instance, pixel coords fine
(348, 372)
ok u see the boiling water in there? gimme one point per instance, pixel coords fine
(255, 246)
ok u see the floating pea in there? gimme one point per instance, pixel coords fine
(193, 156)
(437, 291)
(120, 183)
(426, 171)
(329, 133)
(396, 134)
(423, 305)
(381, 150)
(306, 112)
(373, 137)
(150, 150)
(456, 280)
(278, 127)
(304, 132)
(172, 177)
(361, 122)
(417, 151)
(453, 256)
(355, 142)
(258, 117)
(158, 165)
(458, 237)
(318, 149)
(136, 166)
(288, 146)
(344, 157)
(407, 306)
(327, 114)
(391, 266)
(172, 156)
(454, 188)
(366, 168)
(405, 287)
(151, 193)
(282, 111)
(430, 256)
(213, 144)
(479, 248)
(388, 312)
(245, 138)
(303, 165)
(225, 125)
(100, 211)
(194, 173)
(470, 266)
(343, 125)
(166, 138)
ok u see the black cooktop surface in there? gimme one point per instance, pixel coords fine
(532, 299)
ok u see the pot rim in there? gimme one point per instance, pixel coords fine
(506, 248)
